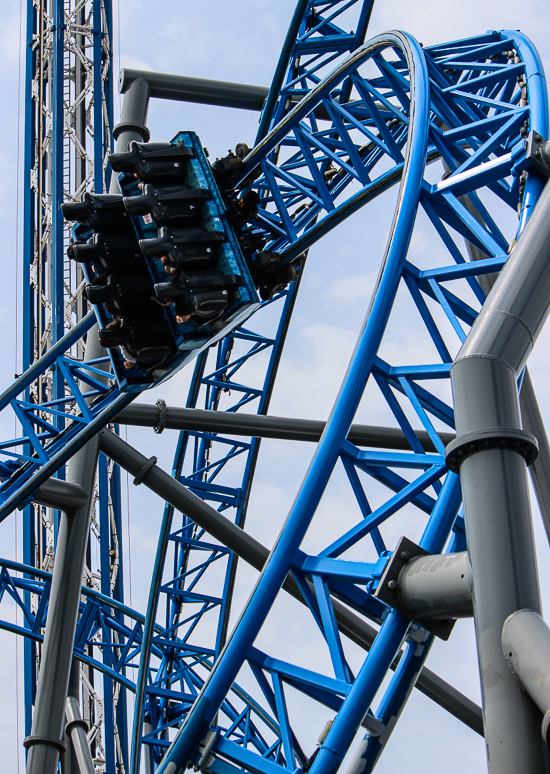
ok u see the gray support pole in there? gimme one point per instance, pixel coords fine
(526, 648)
(132, 124)
(540, 469)
(183, 88)
(490, 450)
(45, 741)
(77, 759)
(255, 554)
(147, 729)
(284, 428)
(76, 729)
(436, 587)
(69, 761)
(530, 412)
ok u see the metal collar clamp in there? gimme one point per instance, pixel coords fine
(151, 462)
(132, 126)
(50, 741)
(161, 423)
(475, 441)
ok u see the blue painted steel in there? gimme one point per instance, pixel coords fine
(52, 31)
(313, 43)
(479, 116)
(120, 628)
(186, 541)
(278, 565)
(228, 363)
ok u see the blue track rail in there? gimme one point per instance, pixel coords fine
(471, 103)
(332, 138)
(218, 468)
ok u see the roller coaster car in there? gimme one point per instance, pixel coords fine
(166, 275)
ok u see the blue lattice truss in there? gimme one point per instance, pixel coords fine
(353, 136)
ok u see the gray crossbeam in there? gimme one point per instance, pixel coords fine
(283, 428)
(255, 554)
(63, 495)
(183, 88)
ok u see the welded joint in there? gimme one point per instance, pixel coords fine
(538, 152)
(432, 590)
(59, 494)
(475, 441)
(161, 422)
(388, 586)
(151, 462)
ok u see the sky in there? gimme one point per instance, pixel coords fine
(240, 41)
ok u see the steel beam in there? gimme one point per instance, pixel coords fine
(76, 729)
(60, 494)
(526, 648)
(260, 426)
(183, 88)
(46, 739)
(531, 417)
(255, 554)
(490, 450)
(436, 587)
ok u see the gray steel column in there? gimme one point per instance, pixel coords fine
(526, 648)
(540, 469)
(77, 759)
(133, 118)
(530, 412)
(76, 729)
(252, 551)
(45, 742)
(490, 451)
(69, 761)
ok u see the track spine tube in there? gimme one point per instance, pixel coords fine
(295, 527)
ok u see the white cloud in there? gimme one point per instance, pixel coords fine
(352, 289)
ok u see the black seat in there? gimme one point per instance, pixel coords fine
(125, 296)
(103, 212)
(184, 247)
(174, 206)
(154, 162)
(146, 340)
(116, 253)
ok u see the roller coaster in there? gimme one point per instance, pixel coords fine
(142, 258)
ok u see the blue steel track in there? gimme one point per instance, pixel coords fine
(353, 136)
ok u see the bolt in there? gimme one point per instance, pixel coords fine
(405, 555)
(392, 585)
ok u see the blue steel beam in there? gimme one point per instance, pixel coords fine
(445, 207)
(279, 563)
(314, 42)
(313, 46)
(68, 122)
(478, 129)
